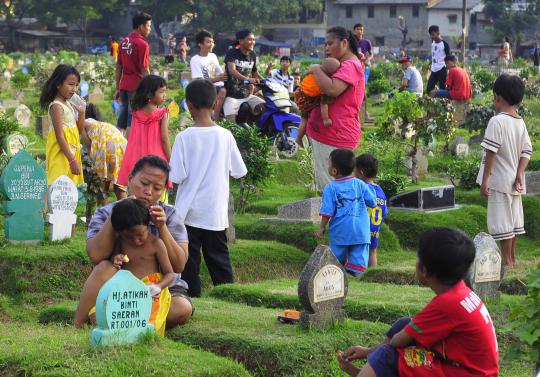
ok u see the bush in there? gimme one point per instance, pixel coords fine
(525, 322)
(463, 172)
(20, 80)
(378, 86)
(8, 126)
(392, 183)
(482, 80)
(255, 150)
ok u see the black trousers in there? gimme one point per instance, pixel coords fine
(216, 257)
(437, 78)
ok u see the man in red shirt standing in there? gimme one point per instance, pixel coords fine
(132, 65)
(458, 84)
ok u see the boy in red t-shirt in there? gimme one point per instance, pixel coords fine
(458, 84)
(131, 66)
(453, 336)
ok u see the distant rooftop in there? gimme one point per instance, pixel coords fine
(452, 4)
(379, 2)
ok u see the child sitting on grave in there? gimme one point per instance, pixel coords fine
(344, 206)
(144, 255)
(366, 170)
(452, 336)
(507, 151)
(309, 95)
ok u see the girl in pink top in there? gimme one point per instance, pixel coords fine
(347, 85)
(149, 133)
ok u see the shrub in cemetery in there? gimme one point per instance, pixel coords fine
(482, 80)
(94, 189)
(20, 80)
(463, 172)
(477, 116)
(306, 167)
(392, 182)
(378, 86)
(525, 322)
(4, 59)
(255, 150)
(8, 125)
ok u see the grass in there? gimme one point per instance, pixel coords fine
(254, 337)
(57, 350)
(365, 301)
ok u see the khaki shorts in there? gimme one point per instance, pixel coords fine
(504, 215)
(321, 154)
(231, 105)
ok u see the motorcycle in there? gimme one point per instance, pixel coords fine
(276, 121)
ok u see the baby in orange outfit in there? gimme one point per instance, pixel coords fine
(309, 95)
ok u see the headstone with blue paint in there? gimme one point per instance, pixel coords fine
(23, 182)
(62, 199)
(123, 309)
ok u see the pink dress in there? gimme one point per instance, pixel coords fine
(144, 139)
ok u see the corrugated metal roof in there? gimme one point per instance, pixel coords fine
(379, 2)
(453, 4)
(41, 33)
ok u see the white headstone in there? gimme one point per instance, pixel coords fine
(96, 95)
(62, 200)
(486, 271)
(23, 114)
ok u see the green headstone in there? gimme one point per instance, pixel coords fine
(14, 143)
(123, 309)
(24, 183)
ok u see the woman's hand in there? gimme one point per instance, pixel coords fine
(159, 218)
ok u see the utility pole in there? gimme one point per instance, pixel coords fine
(463, 29)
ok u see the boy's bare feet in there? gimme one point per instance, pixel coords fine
(327, 122)
(299, 141)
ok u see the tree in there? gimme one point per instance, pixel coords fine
(227, 16)
(14, 11)
(512, 18)
(78, 13)
(165, 10)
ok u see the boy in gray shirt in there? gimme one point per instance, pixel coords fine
(412, 79)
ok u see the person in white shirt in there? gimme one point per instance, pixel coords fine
(205, 65)
(203, 158)
(439, 51)
(412, 79)
(507, 151)
(282, 75)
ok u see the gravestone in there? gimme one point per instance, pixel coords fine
(460, 147)
(427, 198)
(23, 114)
(42, 125)
(96, 95)
(486, 272)
(14, 143)
(421, 164)
(231, 231)
(476, 139)
(532, 182)
(322, 289)
(62, 200)
(10, 103)
(23, 182)
(306, 210)
(123, 309)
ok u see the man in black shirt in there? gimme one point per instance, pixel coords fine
(241, 69)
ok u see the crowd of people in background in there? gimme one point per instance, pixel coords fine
(164, 242)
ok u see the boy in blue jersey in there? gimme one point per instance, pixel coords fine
(366, 169)
(344, 206)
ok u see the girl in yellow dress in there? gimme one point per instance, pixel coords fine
(63, 152)
(106, 146)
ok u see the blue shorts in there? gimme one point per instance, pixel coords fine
(384, 359)
(354, 257)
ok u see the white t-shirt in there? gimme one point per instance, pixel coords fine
(202, 160)
(206, 67)
(287, 81)
(438, 54)
(507, 136)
